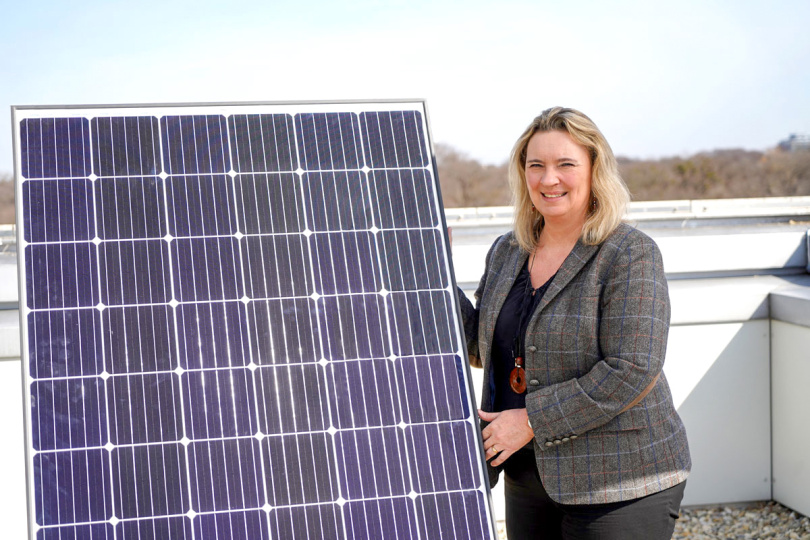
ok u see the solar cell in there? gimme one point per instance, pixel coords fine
(240, 322)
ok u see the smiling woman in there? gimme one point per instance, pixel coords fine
(571, 326)
(573, 132)
(558, 176)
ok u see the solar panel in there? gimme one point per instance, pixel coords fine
(240, 321)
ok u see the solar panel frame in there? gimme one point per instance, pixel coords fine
(117, 301)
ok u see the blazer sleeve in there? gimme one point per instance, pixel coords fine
(470, 314)
(633, 325)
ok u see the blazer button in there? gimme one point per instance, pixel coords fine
(565, 439)
(534, 382)
(532, 348)
(557, 441)
(549, 443)
(573, 437)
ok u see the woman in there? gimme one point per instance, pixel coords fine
(571, 328)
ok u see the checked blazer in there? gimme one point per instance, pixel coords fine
(595, 343)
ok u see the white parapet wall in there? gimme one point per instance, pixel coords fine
(790, 397)
(12, 452)
(13, 510)
(719, 378)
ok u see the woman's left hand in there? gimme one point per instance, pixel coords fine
(508, 431)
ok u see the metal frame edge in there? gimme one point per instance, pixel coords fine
(18, 218)
(460, 329)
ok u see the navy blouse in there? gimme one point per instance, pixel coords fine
(522, 299)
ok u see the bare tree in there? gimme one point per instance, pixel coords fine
(466, 182)
(6, 199)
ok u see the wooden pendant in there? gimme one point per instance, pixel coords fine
(517, 379)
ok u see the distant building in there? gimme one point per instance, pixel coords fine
(795, 142)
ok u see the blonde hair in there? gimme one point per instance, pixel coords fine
(608, 190)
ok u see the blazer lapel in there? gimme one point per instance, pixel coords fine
(572, 264)
(506, 280)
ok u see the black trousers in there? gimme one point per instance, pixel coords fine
(531, 513)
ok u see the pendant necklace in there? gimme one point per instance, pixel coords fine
(517, 379)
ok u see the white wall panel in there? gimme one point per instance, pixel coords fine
(730, 252)
(12, 453)
(9, 333)
(790, 359)
(719, 375)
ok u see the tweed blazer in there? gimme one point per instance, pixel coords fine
(595, 342)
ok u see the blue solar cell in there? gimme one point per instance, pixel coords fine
(400, 198)
(58, 210)
(206, 269)
(175, 528)
(276, 266)
(54, 147)
(381, 519)
(453, 515)
(291, 398)
(394, 139)
(283, 331)
(68, 414)
(195, 144)
(295, 458)
(144, 339)
(431, 389)
(320, 521)
(213, 335)
(262, 142)
(64, 343)
(219, 403)
(329, 141)
(130, 208)
(72, 477)
(125, 146)
(200, 205)
(337, 201)
(412, 260)
(345, 263)
(373, 463)
(413, 318)
(251, 525)
(428, 444)
(96, 531)
(61, 276)
(144, 408)
(365, 393)
(353, 327)
(268, 203)
(227, 475)
(149, 481)
(134, 272)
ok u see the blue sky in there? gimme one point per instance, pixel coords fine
(659, 78)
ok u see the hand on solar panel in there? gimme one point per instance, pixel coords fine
(507, 432)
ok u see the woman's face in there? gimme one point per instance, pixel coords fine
(558, 175)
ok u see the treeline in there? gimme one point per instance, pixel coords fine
(720, 174)
(6, 199)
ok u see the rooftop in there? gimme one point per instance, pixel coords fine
(737, 359)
